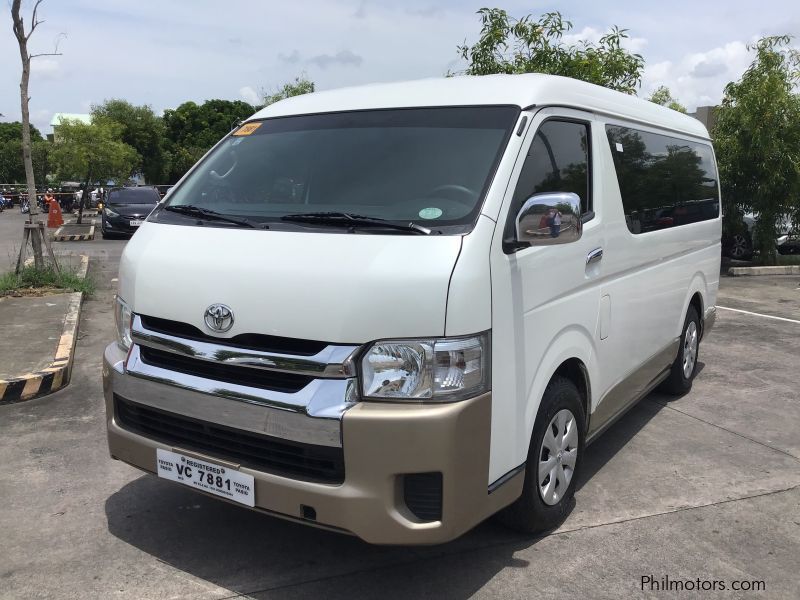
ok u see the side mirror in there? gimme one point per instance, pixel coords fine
(548, 219)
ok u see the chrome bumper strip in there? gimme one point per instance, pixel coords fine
(330, 362)
(312, 415)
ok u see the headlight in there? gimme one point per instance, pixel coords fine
(110, 213)
(122, 316)
(436, 370)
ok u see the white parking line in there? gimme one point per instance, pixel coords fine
(747, 312)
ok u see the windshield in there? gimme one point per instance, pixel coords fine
(429, 166)
(133, 196)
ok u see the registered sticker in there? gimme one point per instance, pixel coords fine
(247, 129)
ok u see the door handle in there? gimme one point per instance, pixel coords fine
(594, 256)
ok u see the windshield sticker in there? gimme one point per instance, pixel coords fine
(619, 147)
(430, 213)
(247, 129)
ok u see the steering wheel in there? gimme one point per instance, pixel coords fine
(462, 193)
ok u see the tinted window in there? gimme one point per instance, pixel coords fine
(664, 181)
(143, 195)
(557, 161)
(429, 165)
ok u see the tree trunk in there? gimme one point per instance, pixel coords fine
(33, 216)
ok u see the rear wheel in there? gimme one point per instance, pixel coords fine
(554, 459)
(684, 368)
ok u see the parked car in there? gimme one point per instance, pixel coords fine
(737, 238)
(789, 240)
(125, 210)
(395, 311)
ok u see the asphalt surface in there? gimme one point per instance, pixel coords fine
(703, 487)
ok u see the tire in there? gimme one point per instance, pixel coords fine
(537, 510)
(683, 370)
(741, 247)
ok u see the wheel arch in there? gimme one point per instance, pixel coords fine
(571, 355)
(695, 296)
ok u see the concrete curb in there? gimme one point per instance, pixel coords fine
(57, 375)
(781, 270)
(58, 236)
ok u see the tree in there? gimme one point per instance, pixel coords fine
(757, 139)
(143, 130)
(36, 235)
(301, 85)
(664, 97)
(191, 129)
(92, 152)
(12, 168)
(528, 45)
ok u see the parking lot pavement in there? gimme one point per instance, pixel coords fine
(706, 486)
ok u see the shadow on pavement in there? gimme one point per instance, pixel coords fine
(252, 553)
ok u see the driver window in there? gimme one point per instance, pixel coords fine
(557, 161)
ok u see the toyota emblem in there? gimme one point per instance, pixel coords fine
(219, 318)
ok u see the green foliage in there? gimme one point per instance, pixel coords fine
(191, 129)
(528, 45)
(13, 131)
(93, 152)
(142, 130)
(757, 139)
(664, 97)
(12, 170)
(301, 85)
(30, 277)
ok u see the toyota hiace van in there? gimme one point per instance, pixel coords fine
(398, 309)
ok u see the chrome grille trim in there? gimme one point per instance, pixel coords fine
(311, 415)
(333, 361)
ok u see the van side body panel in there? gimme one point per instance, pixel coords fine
(544, 310)
(621, 317)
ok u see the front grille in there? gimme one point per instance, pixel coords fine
(277, 381)
(422, 493)
(272, 455)
(248, 341)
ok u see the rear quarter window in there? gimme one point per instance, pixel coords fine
(664, 181)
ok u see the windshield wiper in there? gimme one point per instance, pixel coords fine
(212, 215)
(350, 219)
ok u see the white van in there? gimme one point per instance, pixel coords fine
(396, 310)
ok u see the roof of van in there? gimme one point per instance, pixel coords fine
(526, 90)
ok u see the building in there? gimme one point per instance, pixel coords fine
(58, 118)
(706, 115)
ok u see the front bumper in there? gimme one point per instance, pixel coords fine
(121, 225)
(381, 443)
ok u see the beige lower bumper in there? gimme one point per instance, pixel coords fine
(381, 443)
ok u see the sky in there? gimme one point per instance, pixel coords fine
(166, 52)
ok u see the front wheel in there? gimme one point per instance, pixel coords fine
(683, 370)
(554, 459)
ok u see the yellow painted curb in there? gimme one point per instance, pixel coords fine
(57, 375)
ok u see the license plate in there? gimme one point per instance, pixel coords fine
(136, 223)
(215, 479)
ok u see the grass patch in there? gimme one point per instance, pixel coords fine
(33, 280)
(789, 259)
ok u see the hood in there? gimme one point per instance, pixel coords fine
(331, 287)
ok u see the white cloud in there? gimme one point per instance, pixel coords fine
(699, 78)
(44, 68)
(248, 94)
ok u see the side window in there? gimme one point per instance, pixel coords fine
(664, 181)
(557, 161)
